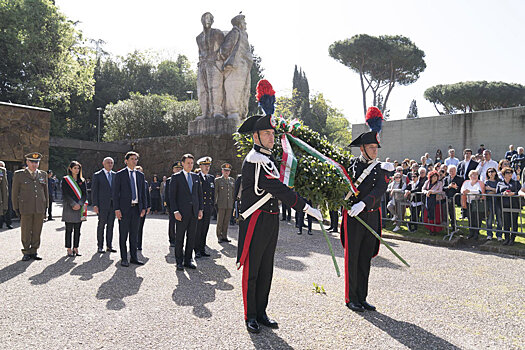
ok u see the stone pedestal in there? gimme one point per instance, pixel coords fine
(213, 126)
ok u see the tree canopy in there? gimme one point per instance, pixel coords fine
(470, 96)
(45, 62)
(151, 115)
(382, 62)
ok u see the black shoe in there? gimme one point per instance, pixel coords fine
(310, 232)
(198, 255)
(100, 251)
(78, 254)
(180, 267)
(368, 306)
(139, 248)
(300, 232)
(50, 219)
(190, 266)
(124, 263)
(355, 307)
(283, 219)
(204, 254)
(470, 236)
(252, 326)
(226, 240)
(111, 250)
(26, 257)
(268, 322)
(9, 227)
(137, 262)
(36, 257)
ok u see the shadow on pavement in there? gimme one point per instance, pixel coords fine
(98, 263)
(59, 268)
(379, 261)
(197, 288)
(14, 270)
(268, 339)
(408, 334)
(123, 283)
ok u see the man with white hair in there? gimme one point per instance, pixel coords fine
(103, 204)
(485, 164)
(452, 160)
(452, 185)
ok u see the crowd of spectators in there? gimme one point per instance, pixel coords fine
(485, 190)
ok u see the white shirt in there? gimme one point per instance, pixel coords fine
(136, 201)
(484, 166)
(473, 189)
(452, 161)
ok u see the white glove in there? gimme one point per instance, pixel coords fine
(313, 212)
(357, 208)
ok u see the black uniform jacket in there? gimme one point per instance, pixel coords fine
(370, 190)
(208, 189)
(267, 183)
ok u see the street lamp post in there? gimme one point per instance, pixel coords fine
(191, 94)
(99, 109)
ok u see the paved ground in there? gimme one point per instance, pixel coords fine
(448, 299)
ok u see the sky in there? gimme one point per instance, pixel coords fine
(462, 40)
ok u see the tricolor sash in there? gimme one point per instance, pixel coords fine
(78, 193)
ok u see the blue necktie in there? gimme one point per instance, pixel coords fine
(190, 184)
(133, 191)
(109, 179)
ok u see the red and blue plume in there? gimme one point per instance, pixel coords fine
(374, 119)
(266, 96)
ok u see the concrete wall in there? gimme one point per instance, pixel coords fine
(24, 129)
(411, 138)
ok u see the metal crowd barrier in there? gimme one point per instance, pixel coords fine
(501, 215)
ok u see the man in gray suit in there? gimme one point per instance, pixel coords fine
(103, 204)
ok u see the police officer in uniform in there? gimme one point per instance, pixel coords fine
(208, 199)
(371, 178)
(258, 232)
(30, 199)
(177, 166)
(224, 192)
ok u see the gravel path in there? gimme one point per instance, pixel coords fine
(448, 299)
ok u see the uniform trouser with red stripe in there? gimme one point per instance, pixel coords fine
(360, 247)
(258, 267)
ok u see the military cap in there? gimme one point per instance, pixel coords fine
(366, 138)
(34, 156)
(177, 164)
(258, 122)
(204, 161)
(226, 166)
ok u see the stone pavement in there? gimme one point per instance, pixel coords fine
(448, 299)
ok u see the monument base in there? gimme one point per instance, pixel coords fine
(213, 126)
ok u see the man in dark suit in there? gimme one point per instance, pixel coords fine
(129, 201)
(467, 164)
(177, 166)
(208, 200)
(186, 203)
(103, 204)
(464, 168)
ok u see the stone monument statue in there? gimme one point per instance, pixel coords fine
(238, 61)
(210, 89)
(223, 80)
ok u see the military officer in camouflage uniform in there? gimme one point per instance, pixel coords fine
(30, 200)
(224, 190)
(208, 201)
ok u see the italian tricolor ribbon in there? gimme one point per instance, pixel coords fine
(288, 163)
(78, 193)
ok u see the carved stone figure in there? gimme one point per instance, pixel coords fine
(238, 61)
(210, 79)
